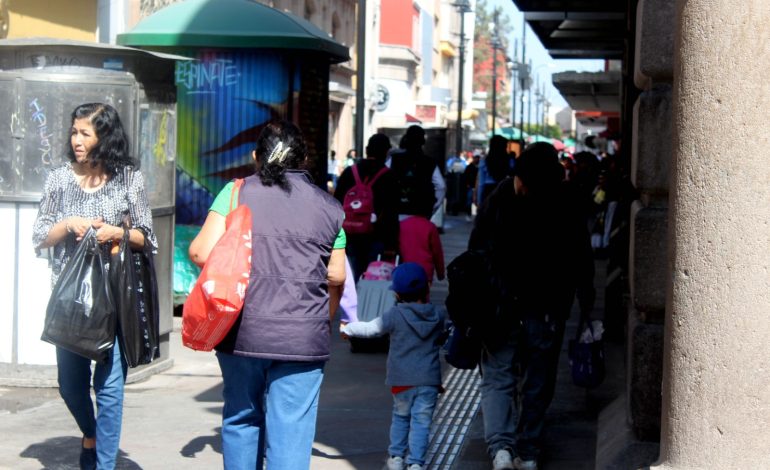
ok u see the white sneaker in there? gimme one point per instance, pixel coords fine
(519, 464)
(395, 463)
(415, 466)
(502, 460)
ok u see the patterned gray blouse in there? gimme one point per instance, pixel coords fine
(63, 197)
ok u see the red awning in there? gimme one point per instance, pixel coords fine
(410, 118)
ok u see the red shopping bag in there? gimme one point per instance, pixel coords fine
(217, 298)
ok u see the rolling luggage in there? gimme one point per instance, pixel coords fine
(374, 299)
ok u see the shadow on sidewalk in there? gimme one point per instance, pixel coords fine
(61, 452)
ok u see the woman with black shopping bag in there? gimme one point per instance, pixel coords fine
(85, 200)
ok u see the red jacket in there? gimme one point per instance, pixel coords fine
(418, 242)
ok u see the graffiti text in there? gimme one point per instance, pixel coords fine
(41, 122)
(205, 77)
(40, 61)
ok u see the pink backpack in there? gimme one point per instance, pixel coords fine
(359, 205)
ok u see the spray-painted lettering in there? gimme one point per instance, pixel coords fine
(41, 60)
(40, 121)
(206, 77)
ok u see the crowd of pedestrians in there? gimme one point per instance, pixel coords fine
(535, 215)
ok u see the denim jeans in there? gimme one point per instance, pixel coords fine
(530, 356)
(412, 416)
(74, 373)
(269, 412)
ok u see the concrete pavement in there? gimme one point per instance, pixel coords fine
(172, 419)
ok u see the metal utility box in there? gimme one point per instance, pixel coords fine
(41, 81)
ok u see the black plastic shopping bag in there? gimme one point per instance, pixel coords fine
(81, 316)
(135, 290)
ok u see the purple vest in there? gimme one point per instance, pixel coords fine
(286, 311)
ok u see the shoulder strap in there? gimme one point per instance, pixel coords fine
(356, 176)
(128, 174)
(382, 171)
(237, 183)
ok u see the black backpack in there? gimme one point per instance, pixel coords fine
(473, 305)
(414, 180)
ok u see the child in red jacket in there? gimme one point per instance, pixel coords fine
(418, 242)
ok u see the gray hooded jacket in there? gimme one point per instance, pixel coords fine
(415, 331)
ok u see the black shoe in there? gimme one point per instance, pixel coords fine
(87, 458)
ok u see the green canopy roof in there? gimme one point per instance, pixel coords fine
(510, 133)
(540, 138)
(230, 24)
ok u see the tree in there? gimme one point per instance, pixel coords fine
(482, 56)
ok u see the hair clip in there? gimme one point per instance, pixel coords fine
(279, 153)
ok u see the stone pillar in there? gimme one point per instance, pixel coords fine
(716, 381)
(650, 167)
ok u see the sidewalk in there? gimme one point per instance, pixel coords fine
(172, 420)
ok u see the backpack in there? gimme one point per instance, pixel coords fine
(414, 180)
(473, 305)
(358, 204)
(474, 295)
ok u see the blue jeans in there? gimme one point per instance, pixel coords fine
(74, 374)
(270, 412)
(412, 416)
(530, 354)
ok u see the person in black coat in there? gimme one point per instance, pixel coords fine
(541, 256)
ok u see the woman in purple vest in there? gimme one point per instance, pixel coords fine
(272, 360)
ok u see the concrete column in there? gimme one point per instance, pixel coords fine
(716, 384)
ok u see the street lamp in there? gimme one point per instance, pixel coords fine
(495, 46)
(463, 7)
(540, 93)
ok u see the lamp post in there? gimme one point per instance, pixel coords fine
(523, 76)
(529, 103)
(540, 93)
(360, 77)
(514, 66)
(495, 47)
(463, 8)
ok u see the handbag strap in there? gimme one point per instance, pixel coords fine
(237, 183)
(585, 321)
(128, 175)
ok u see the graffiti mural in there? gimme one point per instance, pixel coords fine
(224, 98)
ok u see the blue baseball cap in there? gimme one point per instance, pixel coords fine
(409, 278)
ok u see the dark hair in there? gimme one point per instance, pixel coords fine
(111, 149)
(539, 169)
(280, 147)
(378, 147)
(498, 161)
(418, 296)
(413, 138)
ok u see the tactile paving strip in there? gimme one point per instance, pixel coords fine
(452, 419)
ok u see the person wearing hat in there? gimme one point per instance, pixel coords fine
(541, 255)
(413, 369)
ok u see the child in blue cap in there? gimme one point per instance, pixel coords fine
(413, 369)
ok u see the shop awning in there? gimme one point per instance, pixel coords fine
(510, 133)
(230, 24)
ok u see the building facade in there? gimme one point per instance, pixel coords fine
(417, 72)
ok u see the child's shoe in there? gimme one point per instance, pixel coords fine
(519, 464)
(502, 460)
(395, 463)
(415, 466)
